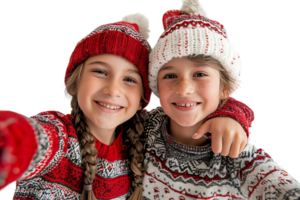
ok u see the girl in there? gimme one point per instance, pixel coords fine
(193, 69)
(84, 155)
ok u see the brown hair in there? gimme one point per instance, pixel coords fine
(226, 81)
(133, 130)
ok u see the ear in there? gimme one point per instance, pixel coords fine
(224, 94)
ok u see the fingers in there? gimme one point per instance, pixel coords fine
(198, 135)
(216, 142)
(204, 128)
(243, 145)
(235, 147)
(226, 143)
(5, 124)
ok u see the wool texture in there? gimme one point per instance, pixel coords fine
(179, 172)
(189, 30)
(121, 38)
(47, 161)
(54, 171)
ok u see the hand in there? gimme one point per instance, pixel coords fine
(5, 152)
(228, 136)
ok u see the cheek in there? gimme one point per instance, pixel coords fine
(201, 85)
(164, 89)
(80, 98)
(209, 89)
(85, 86)
(82, 89)
(134, 96)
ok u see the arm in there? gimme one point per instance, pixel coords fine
(29, 146)
(237, 111)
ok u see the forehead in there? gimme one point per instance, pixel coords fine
(110, 58)
(183, 63)
(113, 61)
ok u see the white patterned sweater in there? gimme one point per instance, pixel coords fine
(178, 172)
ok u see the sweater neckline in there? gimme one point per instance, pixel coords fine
(110, 152)
(196, 150)
(116, 151)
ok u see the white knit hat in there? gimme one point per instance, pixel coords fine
(188, 32)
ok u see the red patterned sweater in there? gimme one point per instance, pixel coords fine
(43, 154)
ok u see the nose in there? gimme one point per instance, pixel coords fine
(185, 87)
(113, 89)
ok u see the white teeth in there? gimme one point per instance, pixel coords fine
(110, 106)
(186, 105)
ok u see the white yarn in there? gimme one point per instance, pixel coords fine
(141, 21)
(201, 41)
(192, 7)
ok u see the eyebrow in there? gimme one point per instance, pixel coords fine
(107, 65)
(196, 66)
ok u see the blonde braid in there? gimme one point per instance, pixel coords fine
(134, 129)
(88, 150)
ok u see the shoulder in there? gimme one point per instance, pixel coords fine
(252, 150)
(154, 125)
(156, 112)
(54, 121)
(155, 118)
(250, 158)
(53, 117)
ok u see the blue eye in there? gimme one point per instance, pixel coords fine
(175, 75)
(102, 71)
(199, 74)
(169, 76)
(131, 79)
(99, 71)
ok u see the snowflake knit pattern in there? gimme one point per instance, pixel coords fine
(179, 172)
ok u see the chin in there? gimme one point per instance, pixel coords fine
(186, 122)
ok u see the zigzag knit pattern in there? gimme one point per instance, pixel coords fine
(179, 172)
(48, 164)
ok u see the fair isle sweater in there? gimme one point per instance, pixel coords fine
(179, 172)
(48, 161)
(43, 154)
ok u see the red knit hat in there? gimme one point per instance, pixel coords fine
(122, 38)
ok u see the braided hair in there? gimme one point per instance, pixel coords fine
(133, 130)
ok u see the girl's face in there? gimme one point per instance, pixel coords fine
(188, 91)
(110, 91)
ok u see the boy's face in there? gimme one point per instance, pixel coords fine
(188, 91)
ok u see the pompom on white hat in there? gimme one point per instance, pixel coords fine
(189, 32)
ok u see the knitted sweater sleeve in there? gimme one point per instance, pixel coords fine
(236, 110)
(30, 147)
(260, 177)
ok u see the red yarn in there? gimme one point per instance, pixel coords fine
(121, 39)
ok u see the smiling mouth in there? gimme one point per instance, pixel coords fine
(196, 103)
(111, 107)
(100, 104)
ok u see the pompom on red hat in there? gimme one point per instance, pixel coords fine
(189, 32)
(127, 38)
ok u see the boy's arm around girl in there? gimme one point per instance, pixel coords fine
(31, 147)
